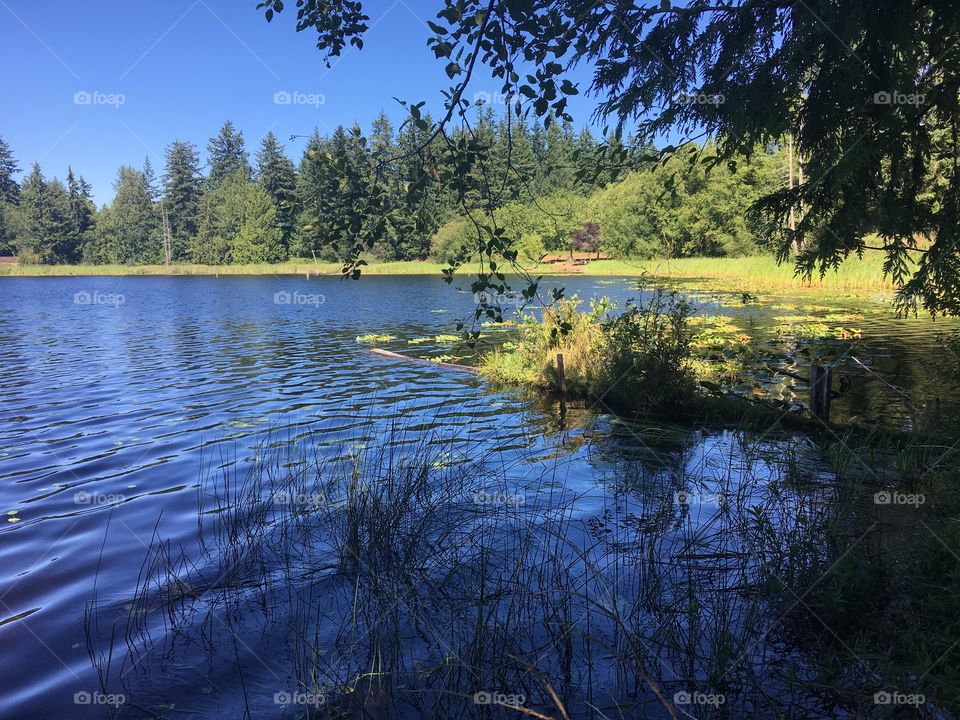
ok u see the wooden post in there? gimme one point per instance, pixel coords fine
(821, 381)
(563, 377)
(563, 391)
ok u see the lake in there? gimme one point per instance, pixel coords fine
(134, 410)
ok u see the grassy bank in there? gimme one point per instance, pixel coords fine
(746, 273)
(753, 273)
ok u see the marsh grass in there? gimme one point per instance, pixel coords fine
(752, 273)
(412, 578)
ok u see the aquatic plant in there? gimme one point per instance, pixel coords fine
(374, 338)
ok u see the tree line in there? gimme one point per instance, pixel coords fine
(411, 194)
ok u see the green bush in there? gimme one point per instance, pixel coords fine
(634, 361)
(647, 349)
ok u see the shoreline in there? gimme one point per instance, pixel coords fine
(742, 274)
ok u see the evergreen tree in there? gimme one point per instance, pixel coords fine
(227, 155)
(9, 189)
(82, 211)
(277, 175)
(9, 196)
(182, 190)
(514, 151)
(150, 179)
(46, 215)
(128, 230)
(238, 224)
(343, 208)
(422, 203)
(559, 170)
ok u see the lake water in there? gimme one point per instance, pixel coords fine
(120, 397)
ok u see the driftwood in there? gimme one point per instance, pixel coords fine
(423, 361)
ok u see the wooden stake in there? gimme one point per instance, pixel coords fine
(821, 380)
(563, 377)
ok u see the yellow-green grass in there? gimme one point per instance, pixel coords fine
(754, 273)
(742, 273)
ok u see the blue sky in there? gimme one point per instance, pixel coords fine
(158, 71)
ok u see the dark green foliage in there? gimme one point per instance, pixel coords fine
(48, 235)
(9, 197)
(277, 175)
(342, 207)
(182, 190)
(82, 211)
(128, 230)
(227, 156)
(647, 349)
(238, 223)
(9, 189)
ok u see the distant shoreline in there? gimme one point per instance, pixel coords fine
(743, 274)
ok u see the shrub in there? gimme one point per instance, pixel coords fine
(635, 361)
(645, 365)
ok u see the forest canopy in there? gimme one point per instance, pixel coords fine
(268, 209)
(868, 94)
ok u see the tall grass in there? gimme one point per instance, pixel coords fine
(408, 579)
(742, 273)
(760, 272)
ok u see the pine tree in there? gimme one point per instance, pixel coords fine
(238, 224)
(343, 209)
(514, 150)
(182, 190)
(227, 155)
(9, 189)
(46, 211)
(82, 212)
(150, 179)
(277, 175)
(9, 195)
(128, 230)
(559, 166)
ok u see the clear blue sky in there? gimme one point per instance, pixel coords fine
(185, 66)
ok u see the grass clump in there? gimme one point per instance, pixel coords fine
(635, 360)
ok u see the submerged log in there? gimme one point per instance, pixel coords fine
(423, 361)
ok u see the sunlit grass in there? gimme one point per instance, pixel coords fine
(742, 273)
(751, 273)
